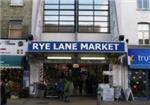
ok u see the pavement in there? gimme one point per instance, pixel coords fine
(74, 101)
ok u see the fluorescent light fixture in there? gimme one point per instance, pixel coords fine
(58, 57)
(92, 58)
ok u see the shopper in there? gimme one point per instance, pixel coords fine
(68, 89)
(3, 92)
(60, 88)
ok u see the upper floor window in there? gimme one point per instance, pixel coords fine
(143, 4)
(15, 29)
(16, 2)
(144, 33)
(76, 16)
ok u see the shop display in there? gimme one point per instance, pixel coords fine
(138, 83)
(13, 80)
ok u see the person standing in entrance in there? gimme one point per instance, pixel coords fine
(68, 89)
(3, 92)
(60, 88)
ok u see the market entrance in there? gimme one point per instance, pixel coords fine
(85, 77)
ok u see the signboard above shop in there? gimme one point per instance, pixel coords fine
(13, 47)
(139, 58)
(109, 47)
(12, 53)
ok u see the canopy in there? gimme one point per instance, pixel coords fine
(11, 61)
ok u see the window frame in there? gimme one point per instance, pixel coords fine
(140, 5)
(11, 25)
(105, 13)
(143, 40)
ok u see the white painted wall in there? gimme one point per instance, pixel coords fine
(57, 37)
(128, 17)
(94, 37)
(37, 19)
(71, 37)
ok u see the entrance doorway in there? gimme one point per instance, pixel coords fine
(85, 77)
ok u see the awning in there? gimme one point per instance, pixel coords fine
(10, 61)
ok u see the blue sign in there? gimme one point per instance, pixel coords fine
(76, 47)
(139, 58)
(8, 61)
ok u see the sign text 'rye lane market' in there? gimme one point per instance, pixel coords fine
(75, 46)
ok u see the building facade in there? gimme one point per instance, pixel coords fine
(134, 24)
(15, 27)
(16, 18)
(61, 29)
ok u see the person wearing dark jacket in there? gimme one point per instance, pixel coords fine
(3, 93)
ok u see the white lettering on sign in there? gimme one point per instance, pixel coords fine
(143, 58)
(41, 46)
(104, 46)
(98, 46)
(84, 46)
(35, 46)
(116, 46)
(47, 46)
(76, 46)
(65, 46)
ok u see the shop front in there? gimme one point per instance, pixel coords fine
(85, 62)
(139, 72)
(12, 55)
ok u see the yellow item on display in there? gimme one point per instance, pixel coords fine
(13, 97)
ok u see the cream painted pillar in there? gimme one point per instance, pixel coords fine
(35, 70)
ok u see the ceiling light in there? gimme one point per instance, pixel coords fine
(58, 57)
(92, 58)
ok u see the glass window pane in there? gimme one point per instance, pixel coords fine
(50, 29)
(16, 2)
(99, 18)
(140, 41)
(85, 6)
(86, 23)
(145, 3)
(66, 6)
(99, 29)
(66, 12)
(51, 7)
(98, 7)
(51, 18)
(100, 13)
(85, 18)
(66, 1)
(51, 1)
(146, 35)
(48, 23)
(140, 35)
(51, 12)
(146, 41)
(85, 1)
(85, 29)
(85, 12)
(66, 23)
(139, 3)
(102, 24)
(67, 18)
(100, 1)
(143, 27)
(66, 29)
